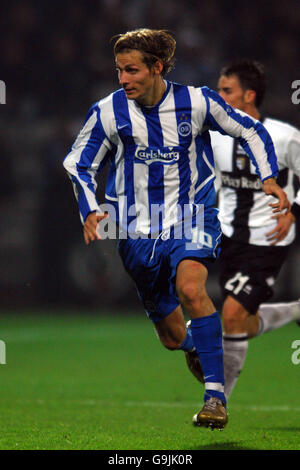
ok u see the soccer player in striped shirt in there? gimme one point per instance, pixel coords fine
(160, 193)
(255, 243)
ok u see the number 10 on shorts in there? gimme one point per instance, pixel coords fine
(200, 239)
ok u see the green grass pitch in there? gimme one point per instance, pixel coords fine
(83, 381)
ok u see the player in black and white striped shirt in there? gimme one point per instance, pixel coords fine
(255, 242)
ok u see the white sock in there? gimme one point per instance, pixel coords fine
(234, 353)
(273, 316)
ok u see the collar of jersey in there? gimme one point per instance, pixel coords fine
(149, 108)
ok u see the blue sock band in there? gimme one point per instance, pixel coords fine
(188, 343)
(207, 337)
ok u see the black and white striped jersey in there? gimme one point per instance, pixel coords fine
(244, 210)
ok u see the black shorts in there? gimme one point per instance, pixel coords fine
(247, 272)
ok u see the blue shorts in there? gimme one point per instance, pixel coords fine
(152, 263)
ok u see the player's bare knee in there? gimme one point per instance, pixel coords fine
(234, 319)
(190, 294)
(231, 324)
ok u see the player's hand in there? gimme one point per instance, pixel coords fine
(284, 223)
(271, 188)
(90, 233)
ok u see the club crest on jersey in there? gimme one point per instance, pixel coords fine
(164, 155)
(184, 128)
(241, 163)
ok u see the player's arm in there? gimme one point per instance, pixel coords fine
(86, 158)
(253, 137)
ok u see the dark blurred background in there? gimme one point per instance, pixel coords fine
(56, 60)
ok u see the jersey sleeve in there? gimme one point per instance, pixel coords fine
(88, 155)
(252, 135)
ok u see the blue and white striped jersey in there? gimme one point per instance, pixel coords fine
(160, 158)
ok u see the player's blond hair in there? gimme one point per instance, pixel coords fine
(154, 45)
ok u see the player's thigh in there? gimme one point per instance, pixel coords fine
(143, 259)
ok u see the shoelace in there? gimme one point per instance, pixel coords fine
(212, 404)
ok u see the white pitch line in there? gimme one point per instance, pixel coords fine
(234, 406)
(266, 407)
(164, 404)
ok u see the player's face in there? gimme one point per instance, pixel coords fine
(139, 82)
(231, 91)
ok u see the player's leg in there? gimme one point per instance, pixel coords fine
(191, 287)
(158, 295)
(237, 319)
(174, 335)
(275, 315)
(172, 332)
(235, 339)
(246, 275)
(207, 336)
(245, 316)
(240, 326)
(241, 294)
(269, 316)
